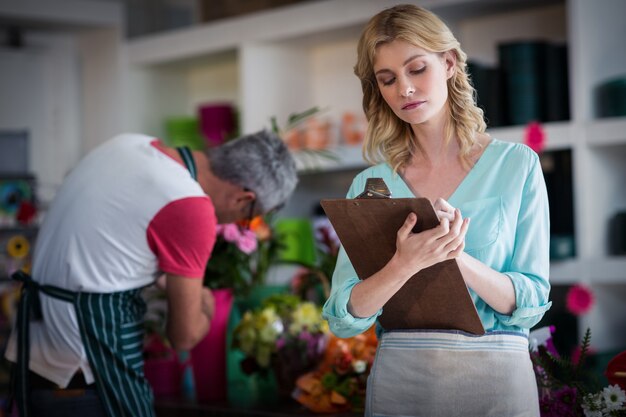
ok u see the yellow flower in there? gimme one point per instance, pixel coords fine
(306, 315)
(270, 325)
(18, 247)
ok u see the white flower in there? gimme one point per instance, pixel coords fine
(593, 402)
(359, 366)
(614, 397)
(593, 413)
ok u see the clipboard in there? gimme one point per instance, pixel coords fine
(436, 297)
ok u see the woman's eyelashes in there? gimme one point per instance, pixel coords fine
(387, 81)
(390, 80)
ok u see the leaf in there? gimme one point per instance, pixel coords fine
(296, 118)
(274, 124)
(584, 350)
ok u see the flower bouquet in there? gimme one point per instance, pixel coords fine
(285, 335)
(338, 384)
(241, 256)
(565, 387)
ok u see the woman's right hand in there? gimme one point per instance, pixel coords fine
(417, 251)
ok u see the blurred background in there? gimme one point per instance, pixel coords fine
(552, 74)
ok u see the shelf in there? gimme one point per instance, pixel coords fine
(293, 22)
(565, 272)
(19, 229)
(608, 270)
(300, 23)
(559, 135)
(341, 158)
(606, 132)
(63, 14)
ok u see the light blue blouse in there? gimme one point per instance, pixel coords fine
(505, 196)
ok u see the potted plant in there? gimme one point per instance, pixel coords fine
(239, 262)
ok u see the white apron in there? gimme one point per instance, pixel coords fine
(452, 373)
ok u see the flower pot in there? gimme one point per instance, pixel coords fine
(208, 358)
(165, 375)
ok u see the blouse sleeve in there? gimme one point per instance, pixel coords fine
(530, 264)
(341, 322)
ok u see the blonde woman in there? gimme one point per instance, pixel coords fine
(427, 138)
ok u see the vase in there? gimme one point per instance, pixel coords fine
(165, 375)
(208, 357)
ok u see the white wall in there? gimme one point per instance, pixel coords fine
(40, 94)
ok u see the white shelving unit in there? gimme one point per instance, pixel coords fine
(285, 60)
(289, 59)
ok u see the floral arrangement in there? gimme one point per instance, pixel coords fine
(312, 276)
(241, 256)
(338, 384)
(565, 387)
(284, 331)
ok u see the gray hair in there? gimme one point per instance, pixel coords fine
(259, 162)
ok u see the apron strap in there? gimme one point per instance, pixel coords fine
(29, 307)
(28, 304)
(185, 153)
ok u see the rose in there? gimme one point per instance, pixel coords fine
(247, 242)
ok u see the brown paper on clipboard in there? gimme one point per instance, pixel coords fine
(434, 298)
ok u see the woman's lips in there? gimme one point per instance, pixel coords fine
(412, 105)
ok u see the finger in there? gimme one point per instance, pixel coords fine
(407, 226)
(441, 214)
(443, 205)
(440, 231)
(457, 252)
(457, 222)
(460, 236)
(465, 227)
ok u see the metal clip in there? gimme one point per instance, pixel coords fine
(375, 188)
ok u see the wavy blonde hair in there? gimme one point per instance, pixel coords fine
(388, 138)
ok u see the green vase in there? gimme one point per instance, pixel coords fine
(254, 390)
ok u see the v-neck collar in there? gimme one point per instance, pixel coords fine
(467, 178)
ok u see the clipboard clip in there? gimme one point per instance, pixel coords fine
(375, 188)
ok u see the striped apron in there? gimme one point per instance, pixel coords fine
(452, 373)
(111, 328)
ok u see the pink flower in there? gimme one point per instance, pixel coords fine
(247, 242)
(579, 299)
(231, 232)
(280, 343)
(535, 136)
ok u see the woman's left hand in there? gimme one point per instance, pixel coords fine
(444, 210)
